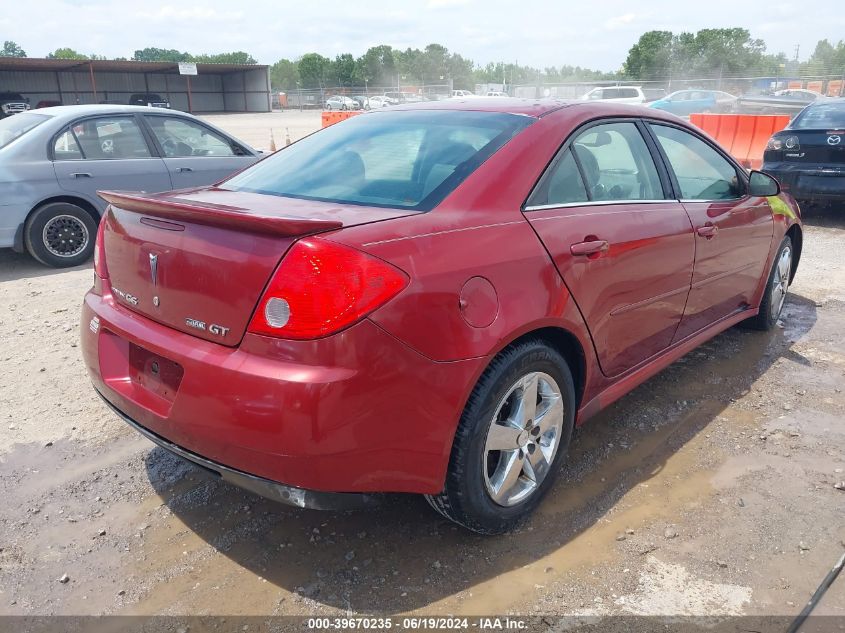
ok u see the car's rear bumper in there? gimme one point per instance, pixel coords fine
(809, 181)
(359, 411)
(289, 495)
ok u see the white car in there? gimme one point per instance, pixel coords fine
(378, 102)
(462, 93)
(496, 93)
(616, 94)
(339, 102)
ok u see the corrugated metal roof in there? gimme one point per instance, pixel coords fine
(114, 65)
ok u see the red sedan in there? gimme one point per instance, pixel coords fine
(428, 298)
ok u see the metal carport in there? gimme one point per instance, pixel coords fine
(215, 87)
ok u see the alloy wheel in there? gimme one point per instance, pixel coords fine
(523, 439)
(780, 281)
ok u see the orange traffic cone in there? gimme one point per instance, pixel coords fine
(287, 136)
(272, 141)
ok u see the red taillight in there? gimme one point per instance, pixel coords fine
(322, 287)
(99, 252)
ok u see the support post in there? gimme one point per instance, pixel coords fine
(93, 83)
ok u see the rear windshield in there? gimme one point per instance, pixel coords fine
(17, 125)
(408, 160)
(826, 116)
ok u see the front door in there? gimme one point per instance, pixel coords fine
(624, 250)
(107, 153)
(733, 231)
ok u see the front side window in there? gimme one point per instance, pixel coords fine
(110, 138)
(702, 172)
(616, 164)
(408, 160)
(180, 137)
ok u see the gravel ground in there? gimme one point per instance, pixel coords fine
(708, 490)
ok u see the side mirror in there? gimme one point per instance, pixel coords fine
(763, 185)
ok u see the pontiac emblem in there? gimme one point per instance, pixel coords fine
(154, 268)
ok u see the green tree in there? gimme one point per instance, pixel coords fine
(237, 57)
(11, 49)
(313, 70)
(826, 59)
(284, 75)
(66, 53)
(343, 71)
(651, 56)
(378, 66)
(150, 54)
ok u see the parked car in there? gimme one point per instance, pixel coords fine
(12, 103)
(377, 101)
(363, 101)
(462, 93)
(149, 99)
(344, 318)
(653, 94)
(808, 157)
(47, 103)
(340, 102)
(789, 102)
(496, 93)
(686, 102)
(53, 161)
(616, 94)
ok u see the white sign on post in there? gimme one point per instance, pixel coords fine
(187, 68)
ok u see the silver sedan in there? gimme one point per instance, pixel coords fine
(54, 160)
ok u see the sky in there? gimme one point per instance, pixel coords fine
(595, 34)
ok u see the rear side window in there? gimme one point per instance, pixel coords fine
(408, 160)
(628, 93)
(702, 172)
(66, 147)
(109, 138)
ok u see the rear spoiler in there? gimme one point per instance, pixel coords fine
(215, 214)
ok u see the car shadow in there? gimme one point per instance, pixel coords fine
(14, 266)
(410, 557)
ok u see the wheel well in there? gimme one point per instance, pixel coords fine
(797, 236)
(569, 347)
(80, 202)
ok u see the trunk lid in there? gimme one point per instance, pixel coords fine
(817, 146)
(198, 260)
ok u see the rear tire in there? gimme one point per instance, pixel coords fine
(774, 296)
(60, 235)
(490, 487)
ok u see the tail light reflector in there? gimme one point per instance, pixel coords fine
(100, 269)
(322, 287)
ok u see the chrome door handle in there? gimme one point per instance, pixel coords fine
(707, 231)
(589, 248)
(81, 174)
(184, 169)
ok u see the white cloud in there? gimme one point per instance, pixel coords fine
(619, 21)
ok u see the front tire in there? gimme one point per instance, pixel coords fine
(60, 235)
(511, 439)
(774, 295)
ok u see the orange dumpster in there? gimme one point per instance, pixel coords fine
(744, 136)
(834, 88)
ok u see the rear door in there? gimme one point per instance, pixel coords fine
(195, 155)
(624, 249)
(108, 152)
(733, 231)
